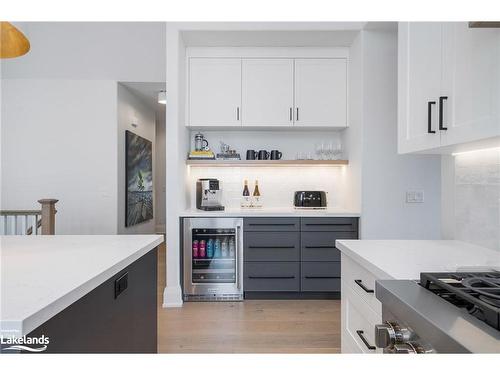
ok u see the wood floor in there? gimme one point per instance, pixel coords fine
(252, 326)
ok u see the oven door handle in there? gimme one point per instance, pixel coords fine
(365, 341)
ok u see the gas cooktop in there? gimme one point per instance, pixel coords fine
(476, 292)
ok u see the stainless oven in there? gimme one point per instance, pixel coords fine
(213, 259)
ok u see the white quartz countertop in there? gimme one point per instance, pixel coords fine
(42, 275)
(271, 212)
(405, 259)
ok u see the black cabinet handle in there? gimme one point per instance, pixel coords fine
(291, 111)
(297, 118)
(320, 247)
(362, 286)
(271, 277)
(441, 100)
(429, 117)
(238, 113)
(271, 225)
(365, 341)
(328, 224)
(321, 277)
(271, 247)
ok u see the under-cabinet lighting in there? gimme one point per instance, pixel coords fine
(472, 151)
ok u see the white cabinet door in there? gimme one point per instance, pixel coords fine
(214, 92)
(471, 83)
(321, 92)
(419, 82)
(267, 92)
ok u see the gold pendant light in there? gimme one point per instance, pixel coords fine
(13, 43)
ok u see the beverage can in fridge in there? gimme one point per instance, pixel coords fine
(196, 249)
(210, 248)
(224, 248)
(203, 248)
(217, 249)
(232, 248)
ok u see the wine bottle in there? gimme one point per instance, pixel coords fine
(245, 201)
(256, 195)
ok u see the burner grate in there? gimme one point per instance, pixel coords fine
(477, 292)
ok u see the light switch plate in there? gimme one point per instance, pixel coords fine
(415, 196)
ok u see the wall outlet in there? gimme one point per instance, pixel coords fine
(415, 196)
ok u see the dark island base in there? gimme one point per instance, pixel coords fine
(291, 295)
(101, 323)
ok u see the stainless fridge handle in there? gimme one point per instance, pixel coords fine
(239, 257)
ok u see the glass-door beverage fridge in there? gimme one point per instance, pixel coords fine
(213, 259)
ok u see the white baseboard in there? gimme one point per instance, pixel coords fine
(172, 296)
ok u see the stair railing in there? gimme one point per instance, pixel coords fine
(30, 222)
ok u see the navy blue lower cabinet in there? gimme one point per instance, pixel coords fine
(294, 258)
(119, 316)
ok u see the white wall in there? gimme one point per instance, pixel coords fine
(59, 116)
(120, 51)
(386, 176)
(132, 110)
(177, 140)
(471, 198)
(59, 141)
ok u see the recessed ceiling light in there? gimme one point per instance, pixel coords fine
(162, 97)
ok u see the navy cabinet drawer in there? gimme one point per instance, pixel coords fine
(320, 246)
(329, 224)
(320, 277)
(272, 246)
(271, 277)
(271, 224)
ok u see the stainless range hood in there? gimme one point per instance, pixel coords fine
(484, 24)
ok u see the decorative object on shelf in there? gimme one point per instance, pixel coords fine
(276, 155)
(201, 149)
(13, 43)
(200, 142)
(251, 154)
(201, 155)
(226, 153)
(263, 155)
(139, 179)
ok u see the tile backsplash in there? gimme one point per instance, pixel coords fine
(477, 198)
(276, 184)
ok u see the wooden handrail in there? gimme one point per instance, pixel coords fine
(19, 212)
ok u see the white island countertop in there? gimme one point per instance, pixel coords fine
(405, 259)
(42, 275)
(272, 212)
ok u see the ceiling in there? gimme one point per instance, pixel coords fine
(238, 38)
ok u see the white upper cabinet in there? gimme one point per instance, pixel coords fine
(321, 92)
(471, 83)
(214, 92)
(419, 81)
(267, 92)
(448, 85)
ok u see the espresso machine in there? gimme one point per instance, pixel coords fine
(209, 195)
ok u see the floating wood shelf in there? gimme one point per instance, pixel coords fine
(263, 163)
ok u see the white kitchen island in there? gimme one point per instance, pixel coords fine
(50, 282)
(365, 261)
